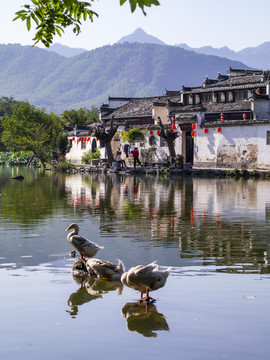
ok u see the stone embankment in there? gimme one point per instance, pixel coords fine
(170, 171)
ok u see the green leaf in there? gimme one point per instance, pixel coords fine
(28, 23)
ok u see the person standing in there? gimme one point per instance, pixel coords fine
(135, 154)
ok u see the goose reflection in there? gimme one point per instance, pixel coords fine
(90, 289)
(144, 319)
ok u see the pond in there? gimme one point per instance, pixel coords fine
(214, 233)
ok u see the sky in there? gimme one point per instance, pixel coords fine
(234, 23)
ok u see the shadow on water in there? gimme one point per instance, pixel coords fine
(144, 319)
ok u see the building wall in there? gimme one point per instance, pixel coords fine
(76, 151)
(162, 112)
(261, 109)
(233, 147)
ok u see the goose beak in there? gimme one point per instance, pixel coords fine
(68, 228)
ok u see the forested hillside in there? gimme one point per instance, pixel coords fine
(49, 80)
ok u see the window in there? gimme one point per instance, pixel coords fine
(214, 97)
(190, 99)
(230, 96)
(152, 140)
(197, 99)
(162, 142)
(222, 97)
(83, 143)
(267, 137)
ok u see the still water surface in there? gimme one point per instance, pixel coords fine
(213, 232)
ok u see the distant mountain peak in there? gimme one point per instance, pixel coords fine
(65, 50)
(140, 36)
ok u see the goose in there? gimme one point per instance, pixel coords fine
(145, 278)
(105, 269)
(85, 247)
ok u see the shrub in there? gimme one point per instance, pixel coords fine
(89, 155)
(133, 134)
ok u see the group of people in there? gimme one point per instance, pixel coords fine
(135, 153)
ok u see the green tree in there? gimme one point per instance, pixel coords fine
(31, 129)
(80, 117)
(52, 17)
(6, 105)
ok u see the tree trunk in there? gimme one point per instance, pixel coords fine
(106, 136)
(108, 147)
(169, 135)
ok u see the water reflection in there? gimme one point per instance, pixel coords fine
(216, 221)
(177, 221)
(144, 319)
(90, 289)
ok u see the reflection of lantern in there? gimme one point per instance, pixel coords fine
(192, 133)
(219, 129)
(193, 126)
(122, 133)
(173, 119)
(173, 126)
(73, 138)
(158, 132)
(244, 116)
(205, 131)
(222, 117)
(150, 132)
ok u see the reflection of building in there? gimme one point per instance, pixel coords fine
(217, 220)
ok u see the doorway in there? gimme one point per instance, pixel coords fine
(189, 148)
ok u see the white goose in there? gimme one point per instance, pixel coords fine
(85, 247)
(145, 278)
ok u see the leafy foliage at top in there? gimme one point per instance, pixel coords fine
(52, 17)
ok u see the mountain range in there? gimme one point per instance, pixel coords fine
(137, 65)
(256, 57)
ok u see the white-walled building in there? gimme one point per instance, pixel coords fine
(225, 123)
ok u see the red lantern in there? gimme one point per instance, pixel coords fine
(88, 139)
(205, 131)
(259, 90)
(222, 117)
(193, 126)
(84, 139)
(158, 132)
(173, 119)
(173, 126)
(96, 139)
(150, 132)
(73, 138)
(79, 139)
(122, 133)
(219, 129)
(192, 133)
(244, 116)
